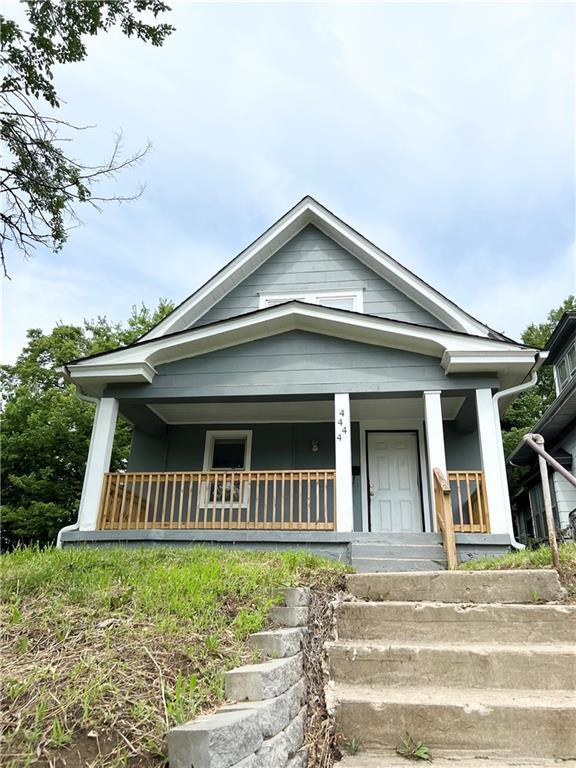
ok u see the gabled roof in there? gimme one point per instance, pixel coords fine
(561, 336)
(310, 211)
(457, 352)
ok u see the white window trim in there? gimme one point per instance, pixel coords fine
(211, 436)
(570, 373)
(313, 297)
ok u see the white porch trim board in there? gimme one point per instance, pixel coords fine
(436, 449)
(492, 454)
(98, 462)
(343, 453)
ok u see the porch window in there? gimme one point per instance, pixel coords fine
(226, 452)
(350, 300)
(565, 369)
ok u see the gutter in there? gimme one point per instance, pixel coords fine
(75, 526)
(538, 361)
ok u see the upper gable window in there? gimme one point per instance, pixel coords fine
(350, 300)
(566, 367)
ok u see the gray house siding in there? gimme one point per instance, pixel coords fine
(311, 261)
(298, 363)
(462, 448)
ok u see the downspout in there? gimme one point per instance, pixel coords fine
(495, 400)
(76, 525)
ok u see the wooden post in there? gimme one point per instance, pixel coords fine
(548, 504)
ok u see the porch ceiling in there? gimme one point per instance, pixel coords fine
(390, 409)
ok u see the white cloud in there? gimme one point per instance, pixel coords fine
(443, 132)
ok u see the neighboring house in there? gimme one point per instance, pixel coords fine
(303, 395)
(558, 428)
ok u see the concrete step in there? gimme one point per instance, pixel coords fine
(466, 666)
(397, 564)
(456, 623)
(390, 759)
(400, 539)
(534, 723)
(404, 551)
(460, 586)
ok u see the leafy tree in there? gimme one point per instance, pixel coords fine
(46, 427)
(530, 405)
(40, 184)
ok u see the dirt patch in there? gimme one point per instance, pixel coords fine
(321, 737)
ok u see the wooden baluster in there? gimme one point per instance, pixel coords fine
(172, 483)
(113, 514)
(131, 501)
(266, 510)
(308, 517)
(104, 501)
(300, 521)
(460, 510)
(257, 501)
(197, 479)
(122, 503)
(291, 481)
(241, 523)
(317, 497)
(147, 506)
(189, 500)
(163, 521)
(326, 498)
(282, 493)
(470, 506)
(274, 500)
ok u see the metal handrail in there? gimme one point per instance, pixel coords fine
(536, 442)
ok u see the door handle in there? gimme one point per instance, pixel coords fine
(371, 489)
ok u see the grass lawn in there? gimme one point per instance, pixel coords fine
(533, 558)
(104, 649)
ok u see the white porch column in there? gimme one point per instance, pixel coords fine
(434, 441)
(98, 461)
(343, 484)
(491, 451)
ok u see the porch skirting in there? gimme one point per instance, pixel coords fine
(332, 544)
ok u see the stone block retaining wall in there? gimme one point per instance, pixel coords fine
(263, 724)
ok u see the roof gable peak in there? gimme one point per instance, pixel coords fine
(308, 211)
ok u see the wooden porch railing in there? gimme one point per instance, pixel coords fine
(444, 517)
(469, 502)
(275, 500)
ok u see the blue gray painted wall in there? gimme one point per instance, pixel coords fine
(300, 363)
(312, 261)
(462, 448)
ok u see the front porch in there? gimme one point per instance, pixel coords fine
(328, 474)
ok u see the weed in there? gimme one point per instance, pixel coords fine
(351, 745)
(412, 749)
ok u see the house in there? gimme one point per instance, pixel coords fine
(558, 428)
(305, 396)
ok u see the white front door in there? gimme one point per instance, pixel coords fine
(393, 482)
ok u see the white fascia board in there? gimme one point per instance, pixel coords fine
(462, 361)
(118, 372)
(287, 317)
(308, 211)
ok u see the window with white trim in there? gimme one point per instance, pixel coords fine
(226, 452)
(565, 368)
(350, 300)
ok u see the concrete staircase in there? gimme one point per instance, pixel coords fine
(480, 666)
(399, 552)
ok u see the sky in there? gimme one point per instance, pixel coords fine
(444, 133)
